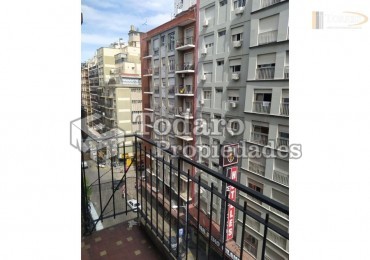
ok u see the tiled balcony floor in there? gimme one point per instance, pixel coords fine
(119, 242)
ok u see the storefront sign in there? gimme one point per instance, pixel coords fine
(229, 155)
(232, 174)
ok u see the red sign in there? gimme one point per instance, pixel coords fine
(232, 174)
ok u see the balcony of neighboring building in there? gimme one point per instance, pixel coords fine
(185, 44)
(266, 3)
(147, 72)
(186, 91)
(265, 72)
(284, 109)
(147, 55)
(149, 90)
(185, 113)
(184, 68)
(259, 134)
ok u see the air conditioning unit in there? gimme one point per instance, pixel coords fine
(203, 51)
(205, 23)
(233, 104)
(237, 44)
(112, 71)
(235, 76)
(203, 77)
(201, 101)
(239, 10)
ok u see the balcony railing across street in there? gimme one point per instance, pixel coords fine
(267, 37)
(157, 200)
(262, 107)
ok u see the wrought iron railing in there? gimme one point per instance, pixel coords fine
(169, 192)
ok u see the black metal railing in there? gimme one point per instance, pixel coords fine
(168, 188)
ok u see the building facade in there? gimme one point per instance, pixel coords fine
(169, 91)
(243, 85)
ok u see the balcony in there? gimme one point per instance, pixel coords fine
(184, 113)
(147, 55)
(266, 3)
(184, 137)
(185, 44)
(281, 177)
(185, 91)
(184, 68)
(265, 73)
(262, 107)
(282, 142)
(286, 72)
(148, 72)
(256, 168)
(150, 91)
(161, 213)
(259, 138)
(284, 109)
(267, 37)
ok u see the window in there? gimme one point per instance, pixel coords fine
(255, 186)
(218, 91)
(260, 134)
(223, 2)
(251, 244)
(233, 98)
(207, 94)
(171, 61)
(237, 37)
(171, 41)
(262, 101)
(209, 45)
(220, 63)
(222, 33)
(260, 97)
(163, 40)
(239, 3)
(235, 68)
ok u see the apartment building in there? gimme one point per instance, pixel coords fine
(85, 89)
(243, 74)
(169, 90)
(119, 93)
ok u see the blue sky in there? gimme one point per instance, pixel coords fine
(105, 21)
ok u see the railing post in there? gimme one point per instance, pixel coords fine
(178, 204)
(187, 216)
(146, 185)
(141, 180)
(243, 228)
(151, 189)
(170, 210)
(210, 223)
(163, 211)
(156, 188)
(137, 182)
(265, 237)
(100, 199)
(225, 225)
(113, 188)
(199, 182)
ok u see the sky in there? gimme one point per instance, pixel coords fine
(105, 21)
